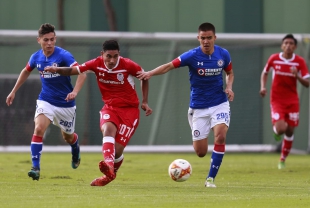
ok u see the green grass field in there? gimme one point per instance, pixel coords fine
(244, 180)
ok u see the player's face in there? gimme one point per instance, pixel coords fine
(110, 58)
(47, 43)
(288, 46)
(206, 40)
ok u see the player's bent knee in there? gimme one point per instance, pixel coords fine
(39, 130)
(199, 154)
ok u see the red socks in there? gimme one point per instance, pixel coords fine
(287, 144)
(118, 162)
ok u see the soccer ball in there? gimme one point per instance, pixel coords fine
(180, 170)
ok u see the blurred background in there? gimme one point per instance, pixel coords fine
(169, 94)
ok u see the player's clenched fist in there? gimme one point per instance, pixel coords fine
(52, 69)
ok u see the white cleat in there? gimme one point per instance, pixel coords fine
(210, 183)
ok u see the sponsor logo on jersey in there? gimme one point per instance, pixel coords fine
(200, 63)
(47, 75)
(110, 81)
(119, 76)
(220, 63)
(101, 74)
(209, 72)
(201, 72)
(288, 74)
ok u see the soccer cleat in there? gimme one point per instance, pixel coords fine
(34, 173)
(210, 183)
(107, 170)
(277, 137)
(76, 159)
(281, 165)
(102, 181)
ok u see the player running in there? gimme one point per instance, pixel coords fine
(120, 116)
(284, 102)
(209, 107)
(56, 102)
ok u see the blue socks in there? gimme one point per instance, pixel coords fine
(75, 148)
(36, 149)
(216, 160)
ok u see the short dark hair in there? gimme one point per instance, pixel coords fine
(46, 28)
(206, 27)
(290, 36)
(110, 45)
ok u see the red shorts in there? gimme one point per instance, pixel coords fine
(125, 119)
(288, 113)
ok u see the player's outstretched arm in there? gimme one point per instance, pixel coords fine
(24, 74)
(229, 83)
(263, 80)
(65, 71)
(145, 93)
(157, 71)
(78, 86)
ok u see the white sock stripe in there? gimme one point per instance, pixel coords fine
(289, 138)
(218, 152)
(36, 142)
(119, 159)
(108, 139)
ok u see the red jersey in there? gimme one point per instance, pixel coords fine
(116, 85)
(284, 84)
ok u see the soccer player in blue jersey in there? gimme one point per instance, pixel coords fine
(56, 102)
(209, 107)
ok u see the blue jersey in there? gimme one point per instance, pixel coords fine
(55, 87)
(205, 75)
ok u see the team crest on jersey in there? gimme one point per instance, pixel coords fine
(106, 116)
(196, 133)
(220, 63)
(55, 64)
(120, 77)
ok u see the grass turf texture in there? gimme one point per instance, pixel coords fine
(244, 180)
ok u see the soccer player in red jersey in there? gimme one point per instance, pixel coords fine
(288, 68)
(119, 117)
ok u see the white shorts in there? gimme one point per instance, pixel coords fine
(203, 120)
(64, 118)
